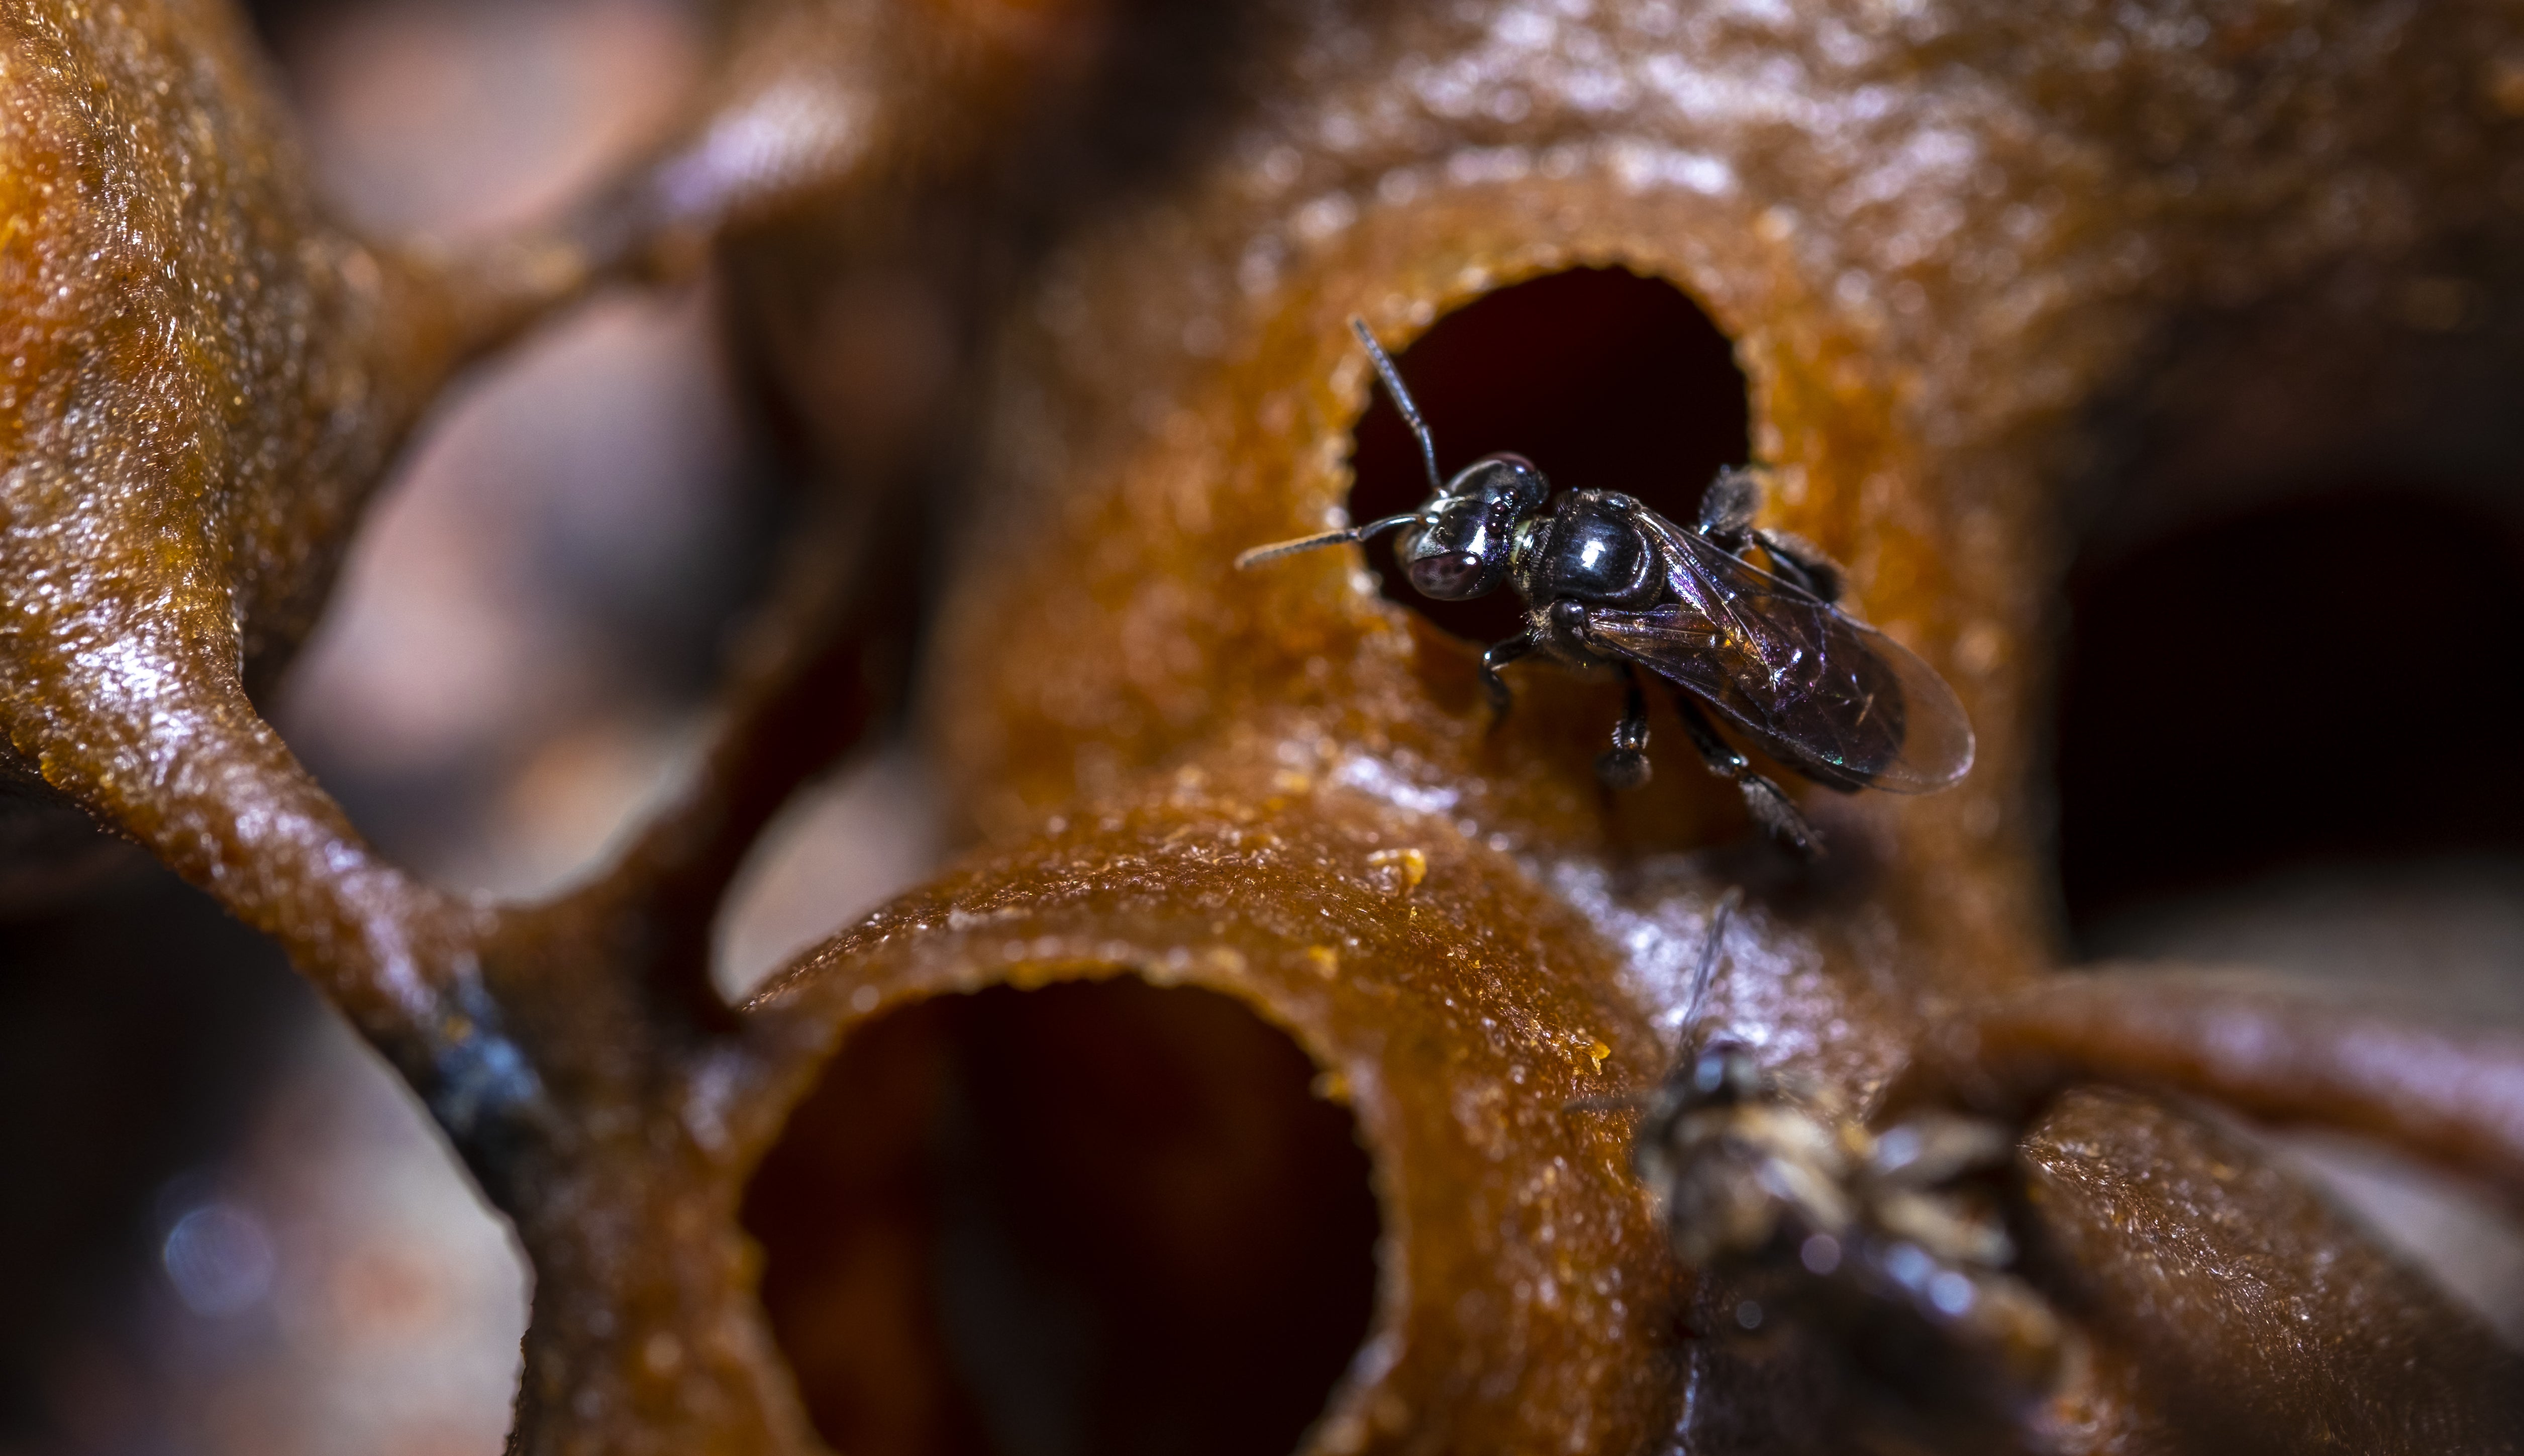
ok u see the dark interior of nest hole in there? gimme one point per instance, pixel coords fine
(1605, 379)
(2332, 677)
(1097, 1217)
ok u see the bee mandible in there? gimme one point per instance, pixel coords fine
(1609, 583)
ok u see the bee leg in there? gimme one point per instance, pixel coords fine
(1624, 765)
(1802, 561)
(1726, 507)
(1499, 654)
(1770, 806)
(1726, 512)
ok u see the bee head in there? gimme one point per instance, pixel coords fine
(1460, 545)
(1723, 1073)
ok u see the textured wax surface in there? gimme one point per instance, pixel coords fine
(2257, 1296)
(1942, 239)
(203, 382)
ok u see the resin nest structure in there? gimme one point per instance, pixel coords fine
(1273, 966)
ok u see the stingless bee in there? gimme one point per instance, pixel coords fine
(1887, 1252)
(1609, 583)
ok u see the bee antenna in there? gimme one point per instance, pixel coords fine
(1401, 401)
(1702, 976)
(1277, 549)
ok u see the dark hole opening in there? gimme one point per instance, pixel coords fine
(1605, 379)
(2334, 676)
(1093, 1218)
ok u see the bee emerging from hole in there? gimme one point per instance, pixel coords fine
(1889, 1251)
(1609, 583)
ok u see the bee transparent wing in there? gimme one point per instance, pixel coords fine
(1838, 701)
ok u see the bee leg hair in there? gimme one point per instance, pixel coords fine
(1624, 765)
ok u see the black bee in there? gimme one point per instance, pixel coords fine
(1609, 583)
(1887, 1254)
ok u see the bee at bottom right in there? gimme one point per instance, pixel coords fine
(1887, 1253)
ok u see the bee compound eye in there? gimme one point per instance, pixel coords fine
(1453, 575)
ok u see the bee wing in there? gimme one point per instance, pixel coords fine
(1837, 699)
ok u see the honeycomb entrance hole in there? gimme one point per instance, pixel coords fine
(2331, 677)
(1100, 1217)
(1605, 379)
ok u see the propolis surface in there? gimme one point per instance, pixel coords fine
(1943, 239)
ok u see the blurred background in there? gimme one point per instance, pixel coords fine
(226, 1227)
(2292, 661)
